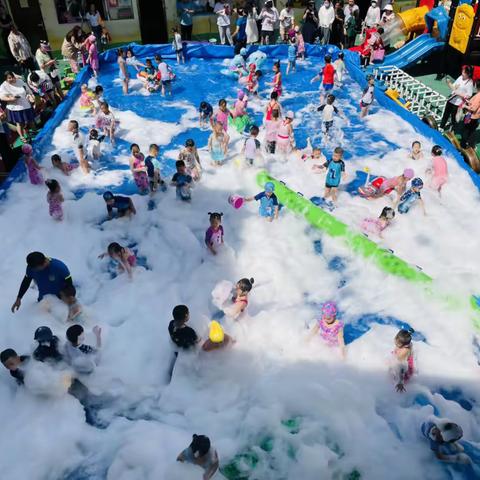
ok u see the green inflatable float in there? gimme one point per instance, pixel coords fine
(362, 245)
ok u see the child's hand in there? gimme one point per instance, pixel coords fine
(400, 387)
(97, 331)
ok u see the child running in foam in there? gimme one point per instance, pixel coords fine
(64, 167)
(217, 338)
(268, 202)
(124, 257)
(33, 168)
(271, 131)
(300, 43)
(335, 171)
(403, 363)
(327, 75)
(438, 172)
(153, 169)
(54, 199)
(214, 233)
(239, 301)
(329, 327)
(182, 181)
(367, 96)
(340, 68)
(205, 112)
(378, 225)
(328, 109)
(138, 168)
(218, 145)
(412, 196)
(222, 114)
(190, 156)
(416, 152)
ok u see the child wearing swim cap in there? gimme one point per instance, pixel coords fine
(329, 328)
(377, 225)
(268, 202)
(412, 196)
(438, 171)
(217, 338)
(402, 366)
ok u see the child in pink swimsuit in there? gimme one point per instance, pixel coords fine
(54, 199)
(139, 169)
(93, 59)
(222, 114)
(240, 105)
(125, 258)
(214, 234)
(33, 168)
(64, 167)
(300, 43)
(403, 362)
(277, 79)
(438, 171)
(378, 225)
(329, 328)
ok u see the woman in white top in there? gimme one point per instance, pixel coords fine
(95, 20)
(252, 28)
(373, 15)
(222, 10)
(19, 98)
(287, 20)
(269, 17)
(462, 89)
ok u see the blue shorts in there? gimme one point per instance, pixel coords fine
(327, 86)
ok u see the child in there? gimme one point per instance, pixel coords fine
(300, 43)
(205, 114)
(378, 225)
(93, 55)
(240, 105)
(327, 74)
(443, 436)
(292, 56)
(125, 258)
(106, 38)
(94, 142)
(367, 96)
(268, 202)
(153, 169)
(416, 152)
(438, 171)
(138, 168)
(82, 358)
(86, 100)
(329, 328)
(48, 348)
(277, 79)
(403, 366)
(214, 234)
(132, 61)
(285, 139)
(339, 66)
(123, 205)
(218, 145)
(335, 171)
(182, 181)
(54, 199)
(411, 196)
(177, 45)
(201, 453)
(182, 336)
(271, 131)
(78, 144)
(222, 114)
(383, 186)
(328, 109)
(165, 77)
(251, 147)
(252, 80)
(33, 168)
(106, 122)
(98, 99)
(217, 338)
(272, 105)
(190, 156)
(13, 362)
(239, 300)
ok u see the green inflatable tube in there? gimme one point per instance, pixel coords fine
(359, 243)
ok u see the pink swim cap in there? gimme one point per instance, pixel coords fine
(92, 38)
(329, 310)
(408, 173)
(240, 94)
(27, 149)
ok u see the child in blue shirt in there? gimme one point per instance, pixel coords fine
(411, 196)
(205, 114)
(335, 170)
(153, 169)
(292, 55)
(268, 202)
(123, 205)
(182, 181)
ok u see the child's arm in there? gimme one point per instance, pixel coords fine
(211, 471)
(248, 199)
(422, 203)
(97, 331)
(275, 212)
(316, 78)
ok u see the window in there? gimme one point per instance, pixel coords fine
(118, 9)
(74, 11)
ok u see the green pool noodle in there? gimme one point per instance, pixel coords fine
(360, 244)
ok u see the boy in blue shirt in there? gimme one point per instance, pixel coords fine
(411, 196)
(205, 113)
(182, 181)
(153, 169)
(292, 56)
(268, 202)
(123, 205)
(52, 277)
(335, 170)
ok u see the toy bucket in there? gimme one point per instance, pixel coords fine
(235, 201)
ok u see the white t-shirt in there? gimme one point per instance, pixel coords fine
(177, 42)
(328, 111)
(286, 17)
(94, 19)
(78, 142)
(222, 19)
(462, 87)
(251, 147)
(17, 89)
(269, 18)
(163, 69)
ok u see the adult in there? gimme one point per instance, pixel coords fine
(251, 28)
(186, 20)
(72, 46)
(372, 18)
(351, 9)
(52, 277)
(21, 50)
(310, 23)
(8, 156)
(338, 27)
(6, 24)
(78, 145)
(123, 71)
(287, 20)
(269, 17)
(222, 10)
(240, 34)
(19, 99)
(387, 16)
(462, 89)
(471, 121)
(95, 20)
(326, 16)
(352, 15)
(48, 65)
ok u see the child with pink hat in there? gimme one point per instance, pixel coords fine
(329, 327)
(93, 59)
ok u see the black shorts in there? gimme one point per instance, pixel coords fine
(55, 80)
(267, 34)
(68, 291)
(271, 147)
(328, 185)
(121, 212)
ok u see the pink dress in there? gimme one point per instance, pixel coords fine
(222, 118)
(440, 172)
(55, 205)
(329, 334)
(373, 225)
(140, 178)
(94, 61)
(300, 44)
(283, 137)
(34, 173)
(271, 130)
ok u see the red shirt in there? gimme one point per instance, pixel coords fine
(328, 73)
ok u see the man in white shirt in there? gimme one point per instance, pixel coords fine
(326, 16)
(373, 15)
(222, 10)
